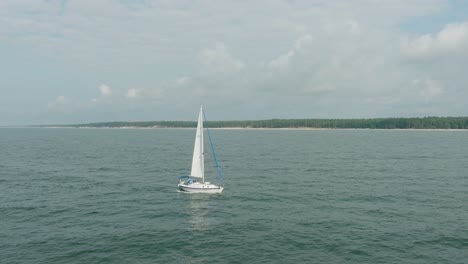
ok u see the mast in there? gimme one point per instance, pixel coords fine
(202, 154)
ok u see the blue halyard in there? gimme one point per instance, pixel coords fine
(218, 169)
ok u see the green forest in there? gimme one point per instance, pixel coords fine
(373, 123)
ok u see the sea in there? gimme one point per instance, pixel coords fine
(72, 195)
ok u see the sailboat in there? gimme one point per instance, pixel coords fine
(195, 182)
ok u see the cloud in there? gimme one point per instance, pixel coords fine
(338, 64)
(105, 96)
(285, 59)
(59, 102)
(428, 88)
(182, 81)
(218, 60)
(132, 93)
(105, 90)
(453, 38)
(354, 27)
(60, 99)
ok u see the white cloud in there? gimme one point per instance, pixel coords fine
(132, 93)
(60, 99)
(182, 81)
(105, 90)
(284, 59)
(354, 27)
(428, 88)
(453, 38)
(218, 60)
(59, 102)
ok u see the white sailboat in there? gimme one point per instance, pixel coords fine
(195, 182)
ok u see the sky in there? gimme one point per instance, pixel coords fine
(78, 61)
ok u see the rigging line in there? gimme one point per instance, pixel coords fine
(218, 169)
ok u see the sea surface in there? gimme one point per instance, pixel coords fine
(291, 196)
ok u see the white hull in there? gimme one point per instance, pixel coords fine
(200, 188)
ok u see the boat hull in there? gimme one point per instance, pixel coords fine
(200, 188)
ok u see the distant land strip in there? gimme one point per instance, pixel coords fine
(373, 123)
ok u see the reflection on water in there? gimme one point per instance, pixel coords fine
(198, 204)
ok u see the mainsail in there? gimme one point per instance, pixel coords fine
(198, 169)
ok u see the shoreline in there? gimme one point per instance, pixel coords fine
(259, 128)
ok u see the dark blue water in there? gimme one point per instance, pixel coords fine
(334, 196)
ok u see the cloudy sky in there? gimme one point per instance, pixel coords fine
(72, 61)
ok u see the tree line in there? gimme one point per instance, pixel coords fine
(373, 123)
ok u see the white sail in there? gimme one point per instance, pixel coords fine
(198, 169)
